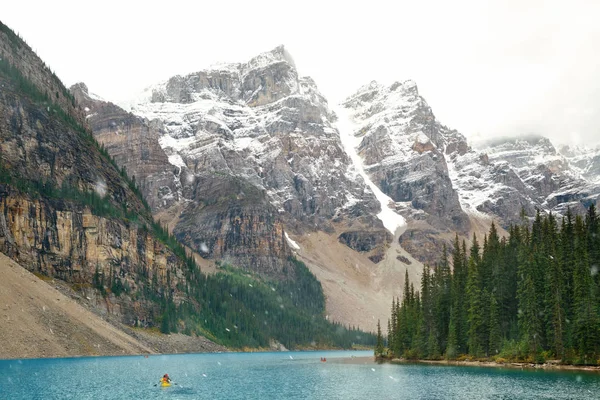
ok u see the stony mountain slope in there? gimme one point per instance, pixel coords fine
(50, 324)
(65, 209)
(45, 317)
(404, 148)
(543, 178)
(244, 157)
(259, 134)
(257, 159)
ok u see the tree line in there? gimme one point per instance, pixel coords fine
(531, 296)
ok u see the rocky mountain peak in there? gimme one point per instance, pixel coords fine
(278, 54)
(263, 80)
(80, 88)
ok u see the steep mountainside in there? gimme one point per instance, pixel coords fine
(65, 209)
(133, 144)
(256, 157)
(68, 212)
(440, 184)
(546, 178)
(237, 158)
(404, 150)
(254, 146)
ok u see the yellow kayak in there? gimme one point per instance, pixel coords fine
(165, 384)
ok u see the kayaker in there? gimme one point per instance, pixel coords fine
(165, 379)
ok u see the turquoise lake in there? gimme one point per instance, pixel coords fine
(293, 375)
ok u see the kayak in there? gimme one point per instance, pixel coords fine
(165, 384)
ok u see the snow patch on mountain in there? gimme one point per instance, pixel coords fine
(292, 243)
(346, 128)
(474, 182)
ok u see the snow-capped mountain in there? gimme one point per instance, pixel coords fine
(243, 156)
(434, 175)
(550, 181)
(261, 122)
(403, 146)
(584, 161)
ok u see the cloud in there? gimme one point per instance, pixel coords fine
(486, 68)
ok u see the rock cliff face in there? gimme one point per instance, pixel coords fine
(65, 210)
(61, 239)
(403, 149)
(133, 143)
(251, 147)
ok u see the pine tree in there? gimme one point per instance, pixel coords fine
(379, 344)
(443, 302)
(475, 342)
(495, 336)
(586, 333)
(555, 328)
(393, 330)
(529, 321)
(567, 262)
(426, 315)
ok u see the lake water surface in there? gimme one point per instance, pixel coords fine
(293, 375)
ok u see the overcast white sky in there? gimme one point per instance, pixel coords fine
(486, 68)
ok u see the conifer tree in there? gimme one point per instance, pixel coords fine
(443, 301)
(495, 336)
(567, 260)
(379, 344)
(586, 333)
(555, 313)
(475, 342)
(529, 321)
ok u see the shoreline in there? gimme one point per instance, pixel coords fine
(549, 366)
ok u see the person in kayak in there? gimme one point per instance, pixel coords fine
(165, 379)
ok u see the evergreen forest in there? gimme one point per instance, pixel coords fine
(530, 297)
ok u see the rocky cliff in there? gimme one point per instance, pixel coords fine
(65, 240)
(241, 154)
(133, 143)
(65, 209)
(252, 147)
(404, 148)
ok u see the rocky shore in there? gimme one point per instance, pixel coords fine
(550, 365)
(41, 319)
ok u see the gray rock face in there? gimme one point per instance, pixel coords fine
(133, 144)
(537, 176)
(262, 123)
(365, 241)
(248, 147)
(403, 148)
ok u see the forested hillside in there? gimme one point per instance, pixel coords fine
(529, 297)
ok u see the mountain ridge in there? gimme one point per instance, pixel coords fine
(275, 131)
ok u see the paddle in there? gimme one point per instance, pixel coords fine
(172, 383)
